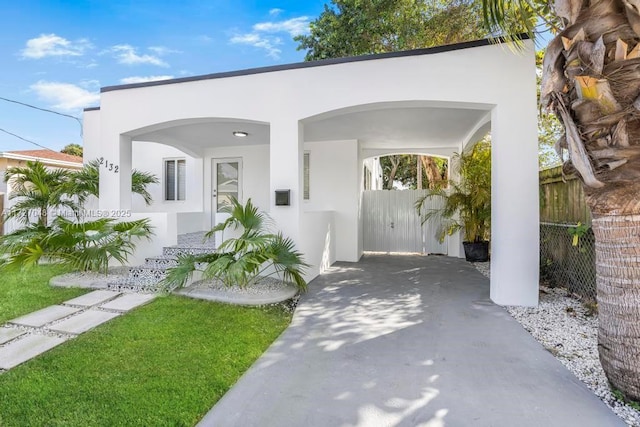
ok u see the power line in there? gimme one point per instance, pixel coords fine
(25, 139)
(45, 110)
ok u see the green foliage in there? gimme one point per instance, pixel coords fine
(84, 246)
(403, 168)
(549, 127)
(577, 232)
(243, 260)
(359, 27)
(467, 204)
(164, 364)
(37, 189)
(87, 182)
(72, 149)
(511, 18)
(618, 394)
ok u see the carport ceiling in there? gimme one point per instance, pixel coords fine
(209, 134)
(442, 127)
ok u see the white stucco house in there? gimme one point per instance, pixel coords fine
(308, 129)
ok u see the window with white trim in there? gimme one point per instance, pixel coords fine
(305, 178)
(175, 179)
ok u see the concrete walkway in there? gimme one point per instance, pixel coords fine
(406, 341)
(28, 336)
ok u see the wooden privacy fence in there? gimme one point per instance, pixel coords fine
(562, 200)
(565, 261)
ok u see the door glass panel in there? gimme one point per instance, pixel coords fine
(226, 183)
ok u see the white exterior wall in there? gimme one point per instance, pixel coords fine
(285, 98)
(319, 243)
(91, 135)
(150, 157)
(334, 186)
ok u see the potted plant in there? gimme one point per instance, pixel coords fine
(467, 203)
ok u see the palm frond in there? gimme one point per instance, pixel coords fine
(240, 260)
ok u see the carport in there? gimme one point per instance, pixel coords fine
(310, 128)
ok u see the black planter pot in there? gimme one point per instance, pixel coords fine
(476, 251)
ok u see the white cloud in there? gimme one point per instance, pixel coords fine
(126, 54)
(264, 34)
(162, 50)
(293, 26)
(256, 40)
(67, 96)
(275, 11)
(143, 79)
(53, 45)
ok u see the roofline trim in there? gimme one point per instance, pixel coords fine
(54, 162)
(312, 64)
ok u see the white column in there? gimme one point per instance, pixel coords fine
(454, 242)
(514, 203)
(115, 173)
(285, 158)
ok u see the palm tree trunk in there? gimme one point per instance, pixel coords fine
(431, 169)
(618, 288)
(395, 163)
(591, 80)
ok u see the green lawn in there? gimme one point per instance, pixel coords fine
(22, 292)
(164, 364)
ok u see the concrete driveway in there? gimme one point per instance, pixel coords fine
(406, 341)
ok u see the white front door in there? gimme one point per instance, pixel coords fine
(226, 175)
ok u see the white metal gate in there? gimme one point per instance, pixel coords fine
(391, 223)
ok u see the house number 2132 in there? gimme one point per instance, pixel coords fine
(109, 165)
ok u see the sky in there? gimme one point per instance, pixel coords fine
(58, 54)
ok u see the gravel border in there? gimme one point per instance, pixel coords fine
(266, 291)
(567, 329)
(90, 280)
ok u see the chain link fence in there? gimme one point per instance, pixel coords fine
(568, 261)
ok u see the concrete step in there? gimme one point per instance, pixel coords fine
(83, 322)
(9, 333)
(138, 284)
(147, 274)
(46, 315)
(92, 298)
(161, 262)
(178, 250)
(146, 277)
(25, 348)
(195, 239)
(128, 302)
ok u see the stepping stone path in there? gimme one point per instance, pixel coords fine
(28, 336)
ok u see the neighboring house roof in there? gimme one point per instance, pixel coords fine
(49, 157)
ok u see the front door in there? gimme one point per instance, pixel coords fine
(226, 183)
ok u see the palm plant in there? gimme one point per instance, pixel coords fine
(86, 182)
(591, 80)
(246, 259)
(37, 189)
(86, 246)
(467, 203)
